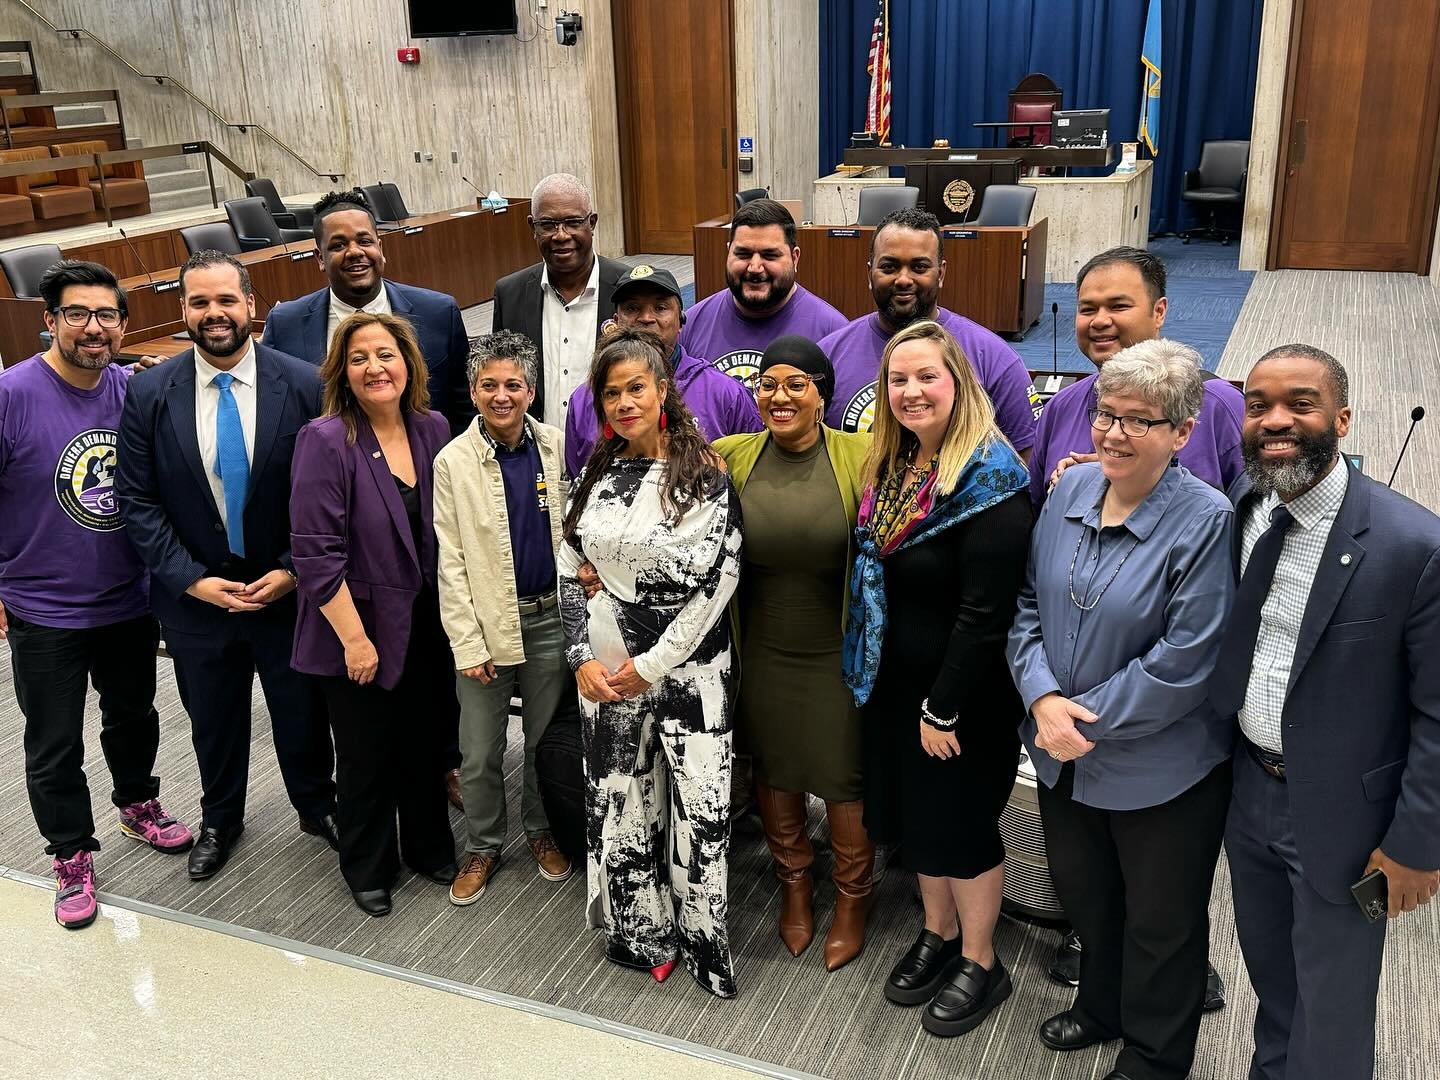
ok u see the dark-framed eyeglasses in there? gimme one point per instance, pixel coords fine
(795, 385)
(550, 226)
(1137, 427)
(108, 318)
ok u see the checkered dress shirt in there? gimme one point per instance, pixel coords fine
(1284, 607)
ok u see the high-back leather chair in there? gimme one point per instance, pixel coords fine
(25, 266)
(1034, 98)
(124, 181)
(1217, 186)
(255, 228)
(287, 217)
(212, 236)
(1006, 204)
(878, 200)
(749, 195)
(395, 202)
(379, 200)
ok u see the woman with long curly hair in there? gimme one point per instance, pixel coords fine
(654, 512)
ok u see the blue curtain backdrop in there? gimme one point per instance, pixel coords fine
(955, 61)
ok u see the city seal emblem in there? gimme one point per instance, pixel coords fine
(958, 196)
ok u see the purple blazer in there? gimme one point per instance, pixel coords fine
(348, 525)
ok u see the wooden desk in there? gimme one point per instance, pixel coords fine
(1091, 157)
(460, 255)
(995, 276)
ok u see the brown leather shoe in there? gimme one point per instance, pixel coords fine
(549, 859)
(853, 876)
(783, 814)
(469, 884)
(452, 790)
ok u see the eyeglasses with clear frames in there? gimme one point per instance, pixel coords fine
(1137, 427)
(795, 385)
(551, 226)
(109, 318)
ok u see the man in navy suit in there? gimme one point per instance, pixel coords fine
(347, 245)
(203, 482)
(1330, 665)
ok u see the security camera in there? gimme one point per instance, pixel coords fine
(567, 27)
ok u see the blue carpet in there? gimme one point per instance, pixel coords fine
(1206, 290)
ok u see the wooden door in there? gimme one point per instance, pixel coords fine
(675, 91)
(1356, 183)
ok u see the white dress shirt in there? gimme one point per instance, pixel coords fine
(569, 342)
(207, 408)
(1284, 607)
(340, 311)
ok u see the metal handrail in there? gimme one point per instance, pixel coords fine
(77, 32)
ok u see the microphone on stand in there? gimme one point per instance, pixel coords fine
(480, 200)
(1416, 415)
(1054, 339)
(149, 277)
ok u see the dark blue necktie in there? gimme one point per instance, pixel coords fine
(1231, 677)
(231, 464)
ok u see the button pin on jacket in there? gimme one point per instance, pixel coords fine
(1345, 559)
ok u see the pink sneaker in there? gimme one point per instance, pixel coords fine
(150, 824)
(75, 891)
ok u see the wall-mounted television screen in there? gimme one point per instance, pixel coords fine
(446, 18)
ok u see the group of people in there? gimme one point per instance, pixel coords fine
(856, 554)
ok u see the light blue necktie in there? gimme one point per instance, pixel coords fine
(231, 464)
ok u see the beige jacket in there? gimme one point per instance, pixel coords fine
(478, 604)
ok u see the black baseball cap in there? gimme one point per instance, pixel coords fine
(644, 276)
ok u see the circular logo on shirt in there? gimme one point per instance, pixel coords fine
(741, 364)
(859, 414)
(85, 478)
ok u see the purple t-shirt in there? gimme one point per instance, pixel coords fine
(1212, 454)
(716, 331)
(720, 404)
(856, 349)
(65, 560)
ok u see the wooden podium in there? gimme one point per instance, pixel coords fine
(954, 190)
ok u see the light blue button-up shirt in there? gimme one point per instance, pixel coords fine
(1140, 658)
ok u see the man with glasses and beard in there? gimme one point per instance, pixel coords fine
(763, 301)
(1329, 664)
(907, 268)
(204, 490)
(72, 590)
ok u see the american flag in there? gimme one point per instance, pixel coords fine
(877, 66)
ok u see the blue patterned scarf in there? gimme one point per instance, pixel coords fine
(994, 472)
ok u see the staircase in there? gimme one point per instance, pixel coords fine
(176, 183)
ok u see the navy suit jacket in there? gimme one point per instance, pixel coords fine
(301, 328)
(165, 499)
(1361, 725)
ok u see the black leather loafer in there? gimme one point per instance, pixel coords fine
(923, 970)
(323, 827)
(444, 875)
(970, 995)
(212, 851)
(1065, 964)
(1214, 991)
(375, 902)
(1067, 1031)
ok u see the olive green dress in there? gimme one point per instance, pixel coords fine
(799, 716)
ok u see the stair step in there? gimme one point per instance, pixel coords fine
(80, 115)
(174, 180)
(133, 142)
(179, 200)
(13, 67)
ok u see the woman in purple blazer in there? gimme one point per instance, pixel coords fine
(369, 620)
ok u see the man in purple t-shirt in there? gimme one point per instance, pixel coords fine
(763, 301)
(1121, 300)
(73, 603)
(907, 268)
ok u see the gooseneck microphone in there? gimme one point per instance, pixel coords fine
(472, 185)
(149, 277)
(1054, 339)
(1416, 415)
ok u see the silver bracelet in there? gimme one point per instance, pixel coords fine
(934, 721)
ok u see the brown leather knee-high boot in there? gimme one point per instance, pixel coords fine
(783, 814)
(853, 874)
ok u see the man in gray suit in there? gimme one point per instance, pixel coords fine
(1329, 664)
(561, 302)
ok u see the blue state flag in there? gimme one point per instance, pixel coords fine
(1149, 132)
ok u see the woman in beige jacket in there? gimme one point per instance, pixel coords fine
(498, 501)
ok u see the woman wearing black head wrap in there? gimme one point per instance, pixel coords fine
(800, 485)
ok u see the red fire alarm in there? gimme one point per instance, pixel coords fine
(410, 54)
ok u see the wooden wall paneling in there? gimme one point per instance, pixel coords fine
(1265, 132)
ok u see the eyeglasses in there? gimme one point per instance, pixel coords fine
(795, 385)
(1137, 427)
(109, 318)
(550, 226)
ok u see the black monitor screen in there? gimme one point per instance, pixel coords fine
(446, 18)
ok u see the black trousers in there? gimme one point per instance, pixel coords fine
(1136, 885)
(50, 667)
(215, 676)
(389, 748)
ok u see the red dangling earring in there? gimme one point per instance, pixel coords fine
(662, 419)
(608, 430)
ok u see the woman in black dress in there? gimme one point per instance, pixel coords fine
(942, 539)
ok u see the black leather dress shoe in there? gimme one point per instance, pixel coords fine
(970, 995)
(212, 851)
(1214, 991)
(923, 970)
(323, 827)
(1116, 1074)
(444, 875)
(1065, 964)
(374, 902)
(1067, 1031)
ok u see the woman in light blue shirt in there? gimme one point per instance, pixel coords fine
(1128, 589)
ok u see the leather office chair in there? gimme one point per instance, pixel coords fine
(1218, 185)
(396, 203)
(255, 228)
(750, 195)
(379, 200)
(212, 236)
(1006, 204)
(124, 181)
(1034, 98)
(876, 201)
(58, 193)
(25, 266)
(287, 217)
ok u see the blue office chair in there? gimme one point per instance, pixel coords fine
(1006, 204)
